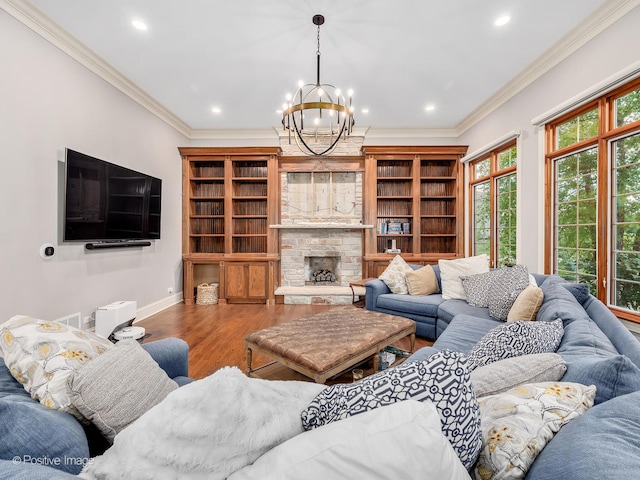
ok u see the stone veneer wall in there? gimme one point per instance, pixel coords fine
(298, 243)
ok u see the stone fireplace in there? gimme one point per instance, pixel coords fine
(322, 270)
(321, 228)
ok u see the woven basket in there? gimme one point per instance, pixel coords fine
(207, 294)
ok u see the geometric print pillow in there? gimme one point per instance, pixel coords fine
(476, 288)
(504, 288)
(515, 339)
(442, 379)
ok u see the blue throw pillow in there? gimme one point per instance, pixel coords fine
(442, 379)
(514, 339)
(604, 442)
(35, 434)
(612, 375)
(579, 290)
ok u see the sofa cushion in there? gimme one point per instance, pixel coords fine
(380, 444)
(450, 308)
(418, 305)
(422, 281)
(504, 288)
(559, 302)
(42, 355)
(119, 386)
(527, 304)
(508, 373)
(612, 375)
(580, 291)
(442, 379)
(463, 332)
(602, 443)
(518, 423)
(394, 276)
(515, 339)
(476, 288)
(452, 270)
(34, 433)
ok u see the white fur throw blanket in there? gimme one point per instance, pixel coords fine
(207, 429)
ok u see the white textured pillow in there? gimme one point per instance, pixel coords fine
(119, 386)
(395, 275)
(452, 270)
(42, 355)
(378, 445)
(207, 429)
(517, 424)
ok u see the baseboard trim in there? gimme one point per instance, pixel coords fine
(158, 306)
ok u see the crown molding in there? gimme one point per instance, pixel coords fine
(601, 19)
(374, 133)
(34, 19)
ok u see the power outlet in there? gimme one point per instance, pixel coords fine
(170, 290)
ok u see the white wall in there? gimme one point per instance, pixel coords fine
(48, 102)
(608, 53)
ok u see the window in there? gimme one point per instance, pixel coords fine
(593, 199)
(494, 205)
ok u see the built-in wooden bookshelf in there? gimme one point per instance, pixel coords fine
(414, 197)
(229, 199)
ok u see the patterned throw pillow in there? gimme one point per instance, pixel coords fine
(476, 288)
(518, 423)
(442, 379)
(505, 287)
(395, 274)
(42, 355)
(515, 339)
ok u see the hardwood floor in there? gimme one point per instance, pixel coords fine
(215, 333)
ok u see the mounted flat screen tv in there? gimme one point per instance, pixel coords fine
(107, 202)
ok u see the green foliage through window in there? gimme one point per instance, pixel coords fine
(577, 129)
(481, 218)
(575, 218)
(625, 223)
(627, 108)
(506, 215)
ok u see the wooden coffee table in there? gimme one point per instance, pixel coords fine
(328, 343)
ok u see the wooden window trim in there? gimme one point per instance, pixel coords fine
(607, 132)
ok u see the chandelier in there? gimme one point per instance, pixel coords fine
(317, 116)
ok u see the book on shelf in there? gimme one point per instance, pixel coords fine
(394, 228)
(406, 228)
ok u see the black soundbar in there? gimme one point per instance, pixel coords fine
(117, 244)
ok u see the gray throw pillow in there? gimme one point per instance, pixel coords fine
(515, 339)
(119, 386)
(504, 374)
(476, 288)
(505, 287)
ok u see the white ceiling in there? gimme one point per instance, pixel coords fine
(243, 56)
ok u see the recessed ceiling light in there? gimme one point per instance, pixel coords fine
(139, 24)
(502, 20)
(430, 108)
(216, 110)
(365, 110)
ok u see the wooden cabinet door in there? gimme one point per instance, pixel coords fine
(246, 280)
(257, 280)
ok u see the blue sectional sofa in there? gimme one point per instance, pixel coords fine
(597, 348)
(431, 313)
(39, 443)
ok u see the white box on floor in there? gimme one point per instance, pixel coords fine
(114, 315)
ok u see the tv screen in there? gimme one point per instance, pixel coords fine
(104, 201)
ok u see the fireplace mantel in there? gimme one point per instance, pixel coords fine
(308, 226)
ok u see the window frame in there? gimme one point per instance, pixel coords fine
(603, 141)
(492, 178)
